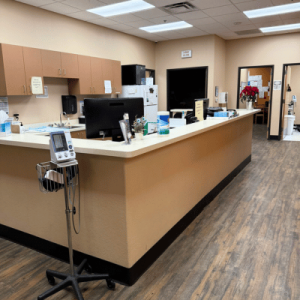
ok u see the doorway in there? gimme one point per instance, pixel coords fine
(186, 85)
(262, 78)
(290, 88)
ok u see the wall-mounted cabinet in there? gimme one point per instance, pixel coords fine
(59, 64)
(86, 74)
(12, 72)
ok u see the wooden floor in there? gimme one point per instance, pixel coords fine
(244, 245)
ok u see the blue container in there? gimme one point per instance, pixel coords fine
(163, 127)
(5, 129)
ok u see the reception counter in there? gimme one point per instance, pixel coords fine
(135, 199)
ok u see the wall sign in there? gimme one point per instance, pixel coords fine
(186, 53)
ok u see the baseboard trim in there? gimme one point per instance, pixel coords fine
(122, 275)
(274, 137)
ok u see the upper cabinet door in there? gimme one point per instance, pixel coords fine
(12, 73)
(97, 75)
(108, 71)
(51, 61)
(33, 65)
(117, 77)
(85, 77)
(69, 65)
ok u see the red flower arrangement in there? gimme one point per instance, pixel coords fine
(249, 93)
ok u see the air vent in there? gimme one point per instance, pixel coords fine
(245, 32)
(179, 8)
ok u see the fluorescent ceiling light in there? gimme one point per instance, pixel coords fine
(167, 26)
(274, 10)
(121, 8)
(281, 28)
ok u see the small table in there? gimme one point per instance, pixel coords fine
(183, 111)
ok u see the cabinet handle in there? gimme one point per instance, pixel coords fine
(65, 72)
(59, 71)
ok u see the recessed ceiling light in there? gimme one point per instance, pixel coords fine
(274, 10)
(166, 26)
(281, 28)
(121, 8)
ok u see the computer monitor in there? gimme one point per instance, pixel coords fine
(104, 114)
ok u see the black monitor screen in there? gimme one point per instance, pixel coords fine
(104, 115)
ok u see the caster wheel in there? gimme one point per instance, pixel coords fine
(88, 269)
(51, 280)
(110, 284)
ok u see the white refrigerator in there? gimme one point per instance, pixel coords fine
(150, 95)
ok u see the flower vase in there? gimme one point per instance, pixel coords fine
(139, 135)
(249, 105)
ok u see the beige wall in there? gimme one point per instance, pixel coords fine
(295, 86)
(269, 50)
(29, 26)
(168, 56)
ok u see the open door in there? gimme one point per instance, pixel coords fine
(285, 99)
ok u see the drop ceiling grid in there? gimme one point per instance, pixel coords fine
(220, 17)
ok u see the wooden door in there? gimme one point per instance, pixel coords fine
(108, 71)
(51, 61)
(12, 71)
(97, 75)
(117, 77)
(69, 65)
(33, 65)
(85, 75)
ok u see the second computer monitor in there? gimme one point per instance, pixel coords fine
(104, 114)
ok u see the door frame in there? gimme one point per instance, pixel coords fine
(176, 69)
(271, 91)
(282, 101)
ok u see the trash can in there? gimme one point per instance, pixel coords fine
(289, 119)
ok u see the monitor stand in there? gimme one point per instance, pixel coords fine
(117, 135)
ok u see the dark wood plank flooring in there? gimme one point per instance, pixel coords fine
(244, 245)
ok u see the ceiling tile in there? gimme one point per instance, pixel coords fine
(139, 24)
(242, 27)
(166, 19)
(281, 2)
(103, 22)
(171, 35)
(292, 21)
(203, 21)
(83, 15)
(143, 34)
(249, 5)
(189, 32)
(161, 3)
(37, 2)
(222, 10)
(210, 27)
(111, 1)
(120, 27)
(265, 19)
(204, 4)
(233, 1)
(83, 4)
(125, 18)
(191, 15)
(151, 13)
(232, 18)
(267, 24)
(60, 8)
(295, 15)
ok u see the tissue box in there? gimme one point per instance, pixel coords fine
(5, 129)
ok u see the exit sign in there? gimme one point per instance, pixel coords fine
(186, 53)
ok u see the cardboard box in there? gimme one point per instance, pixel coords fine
(5, 129)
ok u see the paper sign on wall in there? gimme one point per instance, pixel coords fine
(4, 104)
(107, 85)
(199, 110)
(277, 85)
(37, 85)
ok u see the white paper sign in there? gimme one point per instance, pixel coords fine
(261, 95)
(107, 85)
(149, 81)
(36, 85)
(186, 53)
(277, 85)
(4, 104)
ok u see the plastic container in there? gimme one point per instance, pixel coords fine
(163, 126)
(290, 119)
(5, 129)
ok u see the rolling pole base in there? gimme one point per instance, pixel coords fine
(73, 280)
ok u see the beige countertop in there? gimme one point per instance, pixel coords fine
(120, 149)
